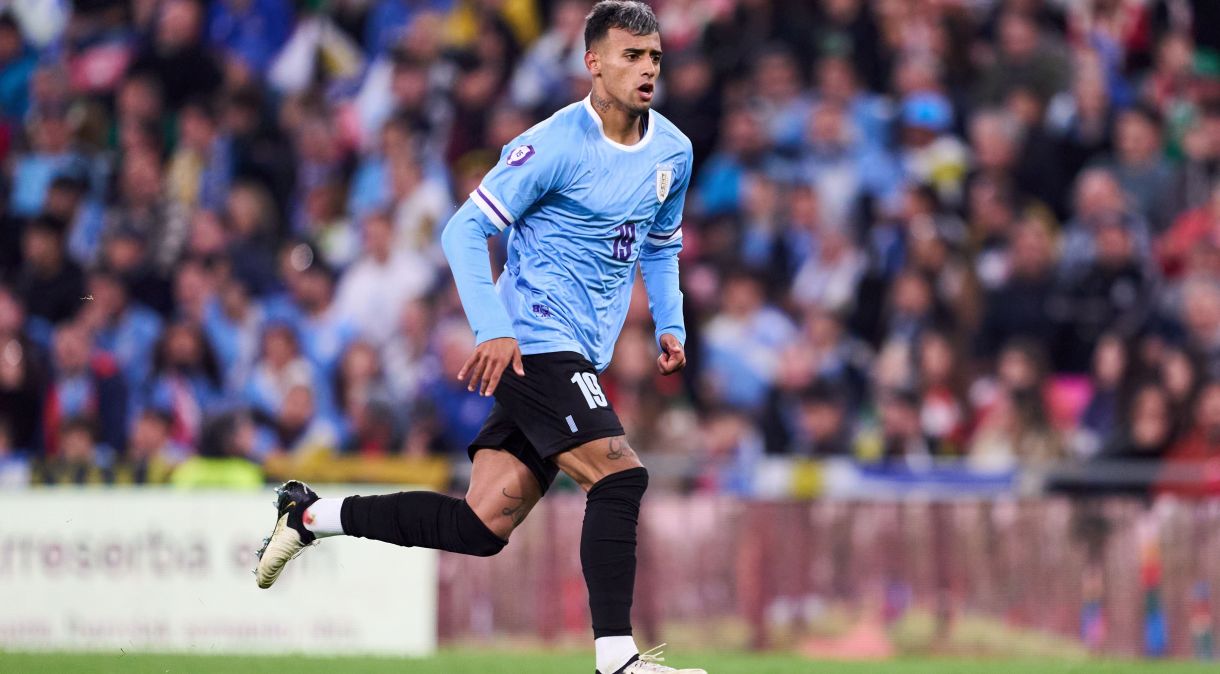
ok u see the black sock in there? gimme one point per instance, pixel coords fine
(607, 549)
(420, 519)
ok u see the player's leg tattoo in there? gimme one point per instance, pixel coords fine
(619, 449)
(516, 512)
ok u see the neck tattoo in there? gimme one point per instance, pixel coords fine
(601, 104)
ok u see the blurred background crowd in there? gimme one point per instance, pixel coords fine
(932, 238)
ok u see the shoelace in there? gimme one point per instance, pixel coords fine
(652, 657)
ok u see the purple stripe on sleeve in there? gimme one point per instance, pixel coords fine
(664, 237)
(489, 202)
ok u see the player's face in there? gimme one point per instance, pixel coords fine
(628, 66)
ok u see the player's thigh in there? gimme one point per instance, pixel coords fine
(587, 464)
(502, 491)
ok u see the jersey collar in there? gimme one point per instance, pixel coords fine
(625, 148)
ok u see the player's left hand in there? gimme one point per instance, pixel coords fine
(673, 356)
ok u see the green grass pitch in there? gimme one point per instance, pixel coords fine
(485, 662)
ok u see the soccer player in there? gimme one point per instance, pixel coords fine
(585, 196)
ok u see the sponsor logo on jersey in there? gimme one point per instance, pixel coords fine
(542, 310)
(665, 180)
(520, 155)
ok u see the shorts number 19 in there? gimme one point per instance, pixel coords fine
(592, 390)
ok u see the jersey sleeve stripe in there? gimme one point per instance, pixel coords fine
(666, 237)
(491, 207)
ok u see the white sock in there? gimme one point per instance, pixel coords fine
(322, 518)
(613, 653)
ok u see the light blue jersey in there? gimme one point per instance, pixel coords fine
(581, 211)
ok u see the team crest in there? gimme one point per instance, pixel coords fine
(665, 180)
(520, 155)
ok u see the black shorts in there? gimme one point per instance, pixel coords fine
(556, 406)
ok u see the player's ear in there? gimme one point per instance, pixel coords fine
(593, 62)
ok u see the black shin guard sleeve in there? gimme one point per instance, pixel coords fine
(420, 519)
(607, 549)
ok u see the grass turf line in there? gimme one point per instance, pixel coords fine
(483, 662)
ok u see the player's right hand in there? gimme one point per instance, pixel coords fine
(487, 364)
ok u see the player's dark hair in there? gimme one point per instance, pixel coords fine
(632, 16)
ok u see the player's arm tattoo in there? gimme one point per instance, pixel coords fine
(619, 449)
(598, 102)
(518, 512)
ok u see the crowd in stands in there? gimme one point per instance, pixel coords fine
(985, 231)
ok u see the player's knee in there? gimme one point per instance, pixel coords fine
(479, 538)
(629, 484)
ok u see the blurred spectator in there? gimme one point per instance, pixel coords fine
(51, 154)
(251, 228)
(828, 278)
(1100, 418)
(1100, 204)
(185, 380)
(279, 367)
(1025, 58)
(1180, 375)
(1145, 435)
(1141, 168)
(224, 460)
(176, 56)
(742, 146)
(14, 466)
(691, 96)
(1201, 316)
(201, 169)
(731, 450)
(408, 357)
(824, 427)
(1113, 292)
(742, 344)
(382, 278)
(152, 455)
(1192, 466)
(458, 414)
(79, 461)
(930, 154)
(50, 285)
(125, 254)
(543, 81)
(321, 325)
(16, 66)
(233, 324)
(84, 385)
(251, 31)
(845, 166)
(362, 395)
(943, 412)
(1013, 427)
(22, 378)
(140, 205)
(1200, 169)
(897, 439)
(1198, 226)
(1020, 305)
(299, 428)
(1082, 119)
(125, 330)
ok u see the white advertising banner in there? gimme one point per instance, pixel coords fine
(164, 570)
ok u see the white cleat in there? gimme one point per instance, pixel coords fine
(650, 663)
(289, 538)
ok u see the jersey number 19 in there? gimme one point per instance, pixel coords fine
(624, 241)
(592, 390)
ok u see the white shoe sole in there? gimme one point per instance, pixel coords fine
(281, 547)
